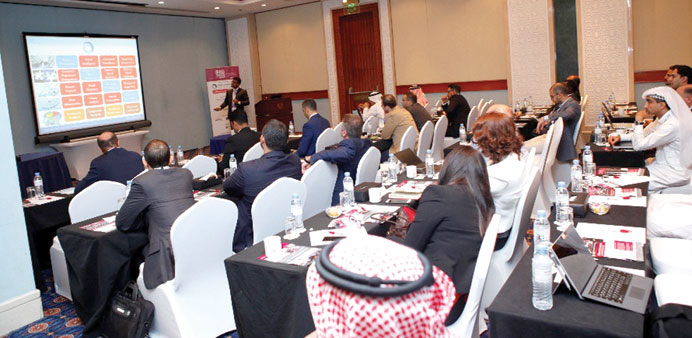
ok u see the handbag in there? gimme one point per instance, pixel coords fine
(400, 222)
(128, 315)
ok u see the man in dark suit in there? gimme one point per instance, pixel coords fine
(253, 176)
(456, 108)
(238, 143)
(418, 112)
(569, 110)
(312, 129)
(347, 155)
(156, 199)
(236, 98)
(116, 164)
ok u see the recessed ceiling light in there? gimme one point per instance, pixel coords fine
(217, 7)
(264, 5)
(161, 2)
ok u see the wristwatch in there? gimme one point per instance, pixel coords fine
(638, 123)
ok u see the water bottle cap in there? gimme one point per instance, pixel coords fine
(37, 174)
(575, 162)
(391, 155)
(180, 147)
(429, 151)
(232, 155)
(561, 184)
(540, 213)
(129, 182)
(347, 174)
(587, 147)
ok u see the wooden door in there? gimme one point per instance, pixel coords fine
(358, 54)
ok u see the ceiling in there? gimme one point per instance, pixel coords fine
(203, 8)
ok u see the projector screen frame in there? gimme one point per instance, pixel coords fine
(66, 136)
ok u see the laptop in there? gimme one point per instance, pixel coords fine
(597, 282)
(408, 157)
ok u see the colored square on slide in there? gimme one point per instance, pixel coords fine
(114, 110)
(66, 75)
(109, 73)
(128, 73)
(74, 115)
(93, 100)
(95, 113)
(91, 87)
(131, 96)
(111, 86)
(66, 61)
(111, 98)
(109, 60)
(88, 61)
(132, 108)
(130, 84)
(70, 88)
(71, 102)
(90, 74)
(127, 60)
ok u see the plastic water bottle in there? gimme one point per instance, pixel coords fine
(462, 134)
(172, 154)
(291, 128)
(561, 196)
(179, 155)
(429, 164)
(597, 133)
(297, 212)
(393, 168)
(587, 159)
(530, 106)
(38, 184)
(348, 187)
(542, 272)
(541, 229)
(232, 164)
(576, 176)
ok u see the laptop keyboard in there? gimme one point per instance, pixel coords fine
(611, 284)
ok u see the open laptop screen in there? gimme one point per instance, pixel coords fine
(575, 257)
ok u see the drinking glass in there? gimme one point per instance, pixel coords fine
(226, 173)
(564, 218)
(290, 228)
(385, 177)
(30, 192)
(344, 200)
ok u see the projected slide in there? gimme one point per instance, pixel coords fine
(84, 82)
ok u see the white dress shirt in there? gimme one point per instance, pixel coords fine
(505, 186)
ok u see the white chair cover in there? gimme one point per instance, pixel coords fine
(439, 138)
(319, 180)
(584, 101)
(483, 109)
(337, 131)
(673, 288)
(253, 153)
(201, 165)
(580, 125)
(549, 184)
(408, 141)
(272, 205)
(540, 163)
(368, 166)
(425, 139)
(671, 255)
(197, 302)
(471, 119)
(327, 138)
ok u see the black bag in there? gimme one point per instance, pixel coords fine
(129, 315)
(671, 321)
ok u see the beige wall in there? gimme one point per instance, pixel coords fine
(292, 49)
(449, 40)
(662, 33)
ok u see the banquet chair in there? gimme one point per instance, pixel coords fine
(506, 259)
(327, 138)
(408, 141)
(584, 101)
(540, 163)
(681, 190)
(95, 200)
(319, 181)
(370, 125)
(483, 109)
(471, 119)
(489, 103)
(272, 205)
(480, 104)
(201, 165)
(670, 255)
(425, 139)
(438, 139)
(368, 165)
(197, 301)
(253, 153)
(673, 288)
(467, 325)
(337, 131)
(548, 181)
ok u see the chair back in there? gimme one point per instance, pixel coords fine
(201, 165)
(549, 184)
(425, 139)
(95, 200)
(513, 248)
(489, 103)
(546, 146)
(253, 153)
(272, 205)
(327, 138)
(368, 166)
(577, 130)
(471, 119)
(480, 104)
(482, 110)
(408, 141)
(439, 139)
(337, 131)
(584, 101)
(467, 324)
(319, 181)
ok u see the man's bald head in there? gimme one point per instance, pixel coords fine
(107, 141)
(502, 109)
(686, 93)
(156, 154)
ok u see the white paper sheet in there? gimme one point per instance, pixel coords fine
(613, 241)
(613, 200)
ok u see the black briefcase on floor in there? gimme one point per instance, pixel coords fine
(129, 315)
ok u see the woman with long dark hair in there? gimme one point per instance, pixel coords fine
(452, 217)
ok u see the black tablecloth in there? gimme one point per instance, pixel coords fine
(526, 126)
(269, 299)
(99, 264)
(606, 157)
(52, 167)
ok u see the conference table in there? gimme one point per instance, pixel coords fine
(52, 167)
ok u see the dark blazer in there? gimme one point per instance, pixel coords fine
(346, 157)
(117, 165)
(420, 115)
(241, 96)
(156, 199)
(251, 178)
(446, 231)
(570, 111)
(238, 145)
(311, 131)
(457, 110)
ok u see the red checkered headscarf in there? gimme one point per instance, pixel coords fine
(338, 313)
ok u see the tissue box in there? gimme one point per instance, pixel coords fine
(579, 201)
(361, 191)
(198, 184)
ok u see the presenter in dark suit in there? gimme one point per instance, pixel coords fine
(451, 219)
(569, 110)
(312, 129)
(253, 176)
(236, 98)
(240, 142)
(116, 164)
(456, 108)
(156, 199)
